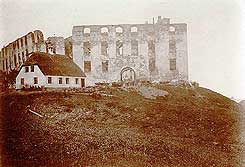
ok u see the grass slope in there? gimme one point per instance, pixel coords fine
(189, 127)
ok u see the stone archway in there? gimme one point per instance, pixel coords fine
(128, 75)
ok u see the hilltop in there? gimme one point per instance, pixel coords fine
(184, 126)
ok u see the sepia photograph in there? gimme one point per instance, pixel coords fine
(122, 83)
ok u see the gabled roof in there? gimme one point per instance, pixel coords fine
(55, 65)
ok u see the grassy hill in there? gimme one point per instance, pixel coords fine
(188, 127)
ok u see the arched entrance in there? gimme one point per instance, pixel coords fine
(128, 75)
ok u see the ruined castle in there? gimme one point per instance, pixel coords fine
(154, 51)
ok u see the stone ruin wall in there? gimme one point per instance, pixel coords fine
(147, 48)
(55, 45)
(15, 53)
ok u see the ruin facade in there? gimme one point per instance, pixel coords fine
(153, 52)
(16, 53)
(55, 45)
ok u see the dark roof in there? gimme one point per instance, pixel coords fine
(56, 65)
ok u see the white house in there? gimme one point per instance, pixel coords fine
(50, 71)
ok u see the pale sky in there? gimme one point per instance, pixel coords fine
(215, 44)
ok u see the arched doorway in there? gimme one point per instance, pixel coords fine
(128, 75)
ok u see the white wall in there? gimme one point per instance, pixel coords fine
(55, 82)
(43, 80)
(29, 77)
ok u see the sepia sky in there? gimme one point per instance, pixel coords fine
(215, 44)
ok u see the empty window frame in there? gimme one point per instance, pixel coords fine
(134, 29)
(119, 30)
(35, 80)
(21, 42)
(134, 47)
(33, 38)
(6, 64)
(172, 29)
(67, 80)
(19, 58)
(105, 65)
(32, 68)
(26, 68)
(23, 57)
(119, 47)
(49, 80)
(25, 40)
(17, 43)
(60, 80)
(22, 81)
(152, 56)
(172, 64)
(104, 48)
(87, 66)
(172, 46)
(86, 31)
(152, 65)
(104, 30)
(86, 48)
(15, 60)
(3, 65)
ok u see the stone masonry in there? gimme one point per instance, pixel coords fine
(153, 52)
(15, 53)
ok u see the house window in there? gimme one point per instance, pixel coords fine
(105, 66)
(32, 68)
(22, 81)
(49, 80)
(35, 80)
(67, 80)
(172, 64)
(27, 69)
(60, 80)
(76, 80)
(87, 66)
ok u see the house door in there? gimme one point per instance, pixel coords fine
(82, 83)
